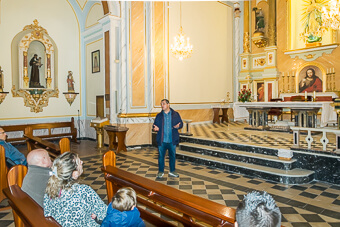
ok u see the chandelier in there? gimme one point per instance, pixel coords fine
(331, 17)
(181, 48)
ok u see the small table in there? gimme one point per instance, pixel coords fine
(98, 126)
(119, 133)
(217, 115)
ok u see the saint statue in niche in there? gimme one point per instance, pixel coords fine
(35, 64)
(259, 20)
(70, 82)
(311, 82)
(313, 21)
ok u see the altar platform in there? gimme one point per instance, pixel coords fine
(230, 147)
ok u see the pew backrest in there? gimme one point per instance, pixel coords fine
(15, 176)
(27, 209)
(3, 172)
(190, 210)
(64, 145)
(47, 126)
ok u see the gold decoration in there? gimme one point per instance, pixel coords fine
(48, 82)
(246, 45)
(309, 56)
(26, 80)
(331, 16)
(37, 34)
(38, 31)
(261, 61)
(260, 41)
(70, 97)
(36, 99)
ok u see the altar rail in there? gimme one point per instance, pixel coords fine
(309, 139)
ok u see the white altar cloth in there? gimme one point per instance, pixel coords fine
(328, 113)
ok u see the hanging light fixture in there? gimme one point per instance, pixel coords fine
(181, 48)
(331, 17)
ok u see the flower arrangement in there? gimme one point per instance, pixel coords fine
(244, 95)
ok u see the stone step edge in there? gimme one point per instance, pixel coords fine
(229, 143)
(242, 153)
(264, 169)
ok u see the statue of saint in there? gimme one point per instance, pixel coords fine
(35, 64)
(259, 20)
(313, 22)
(70, 82)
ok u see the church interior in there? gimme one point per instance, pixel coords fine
(254, 81)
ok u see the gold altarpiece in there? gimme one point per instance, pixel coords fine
(31, 42)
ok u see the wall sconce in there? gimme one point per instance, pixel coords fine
(2, 96)
(70, 97)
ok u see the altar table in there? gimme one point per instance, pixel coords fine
(306, 113)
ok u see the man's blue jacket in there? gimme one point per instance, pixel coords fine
(12, 153)
(159, 122)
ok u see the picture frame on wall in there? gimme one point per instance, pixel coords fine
(95, 56)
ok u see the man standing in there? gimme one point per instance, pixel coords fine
(166, 125)
(35, 181)
(13, 156)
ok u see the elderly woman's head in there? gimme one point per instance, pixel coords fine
(66, 170)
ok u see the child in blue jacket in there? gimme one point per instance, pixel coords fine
(122, 210)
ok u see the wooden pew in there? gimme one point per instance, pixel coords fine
(48, 126)
(16, 176)
(27, 209)
(3, 175)
(34, 142)
(188, 209)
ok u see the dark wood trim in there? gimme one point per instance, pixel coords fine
(105, 7)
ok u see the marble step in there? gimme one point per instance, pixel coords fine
(294, 176)
(229, 145)
(241, 156)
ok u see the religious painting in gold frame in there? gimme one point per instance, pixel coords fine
(310, 77)
(260, 91)
(95, 61)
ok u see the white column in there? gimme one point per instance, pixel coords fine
(111, 23)
(237, 43)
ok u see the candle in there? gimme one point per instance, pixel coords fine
(314, 96)
(305, 95)
(333, 70)
(327, 71)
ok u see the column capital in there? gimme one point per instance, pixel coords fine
(108, 20)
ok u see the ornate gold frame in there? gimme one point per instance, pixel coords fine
(34, 98)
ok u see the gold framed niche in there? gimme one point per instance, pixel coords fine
(33, 47)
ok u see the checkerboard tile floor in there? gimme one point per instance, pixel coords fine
(314, 204)
(234, 132)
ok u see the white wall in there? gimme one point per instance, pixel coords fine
(60, 21)
(208, 75)
(94, 81)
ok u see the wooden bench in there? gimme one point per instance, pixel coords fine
(34, 142)
(27, 209)
(49, 126)
(3, 175)
(185, 208)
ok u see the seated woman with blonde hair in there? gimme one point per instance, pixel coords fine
(67, 201)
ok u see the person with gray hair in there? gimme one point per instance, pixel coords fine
(67, 201)
(258, 209)
(39, 168)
